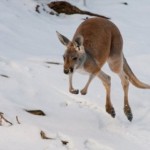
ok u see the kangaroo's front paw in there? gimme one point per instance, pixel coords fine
(74, 91)
(83, 92)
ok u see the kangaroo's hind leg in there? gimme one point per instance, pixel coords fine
(116, 65)
(106, 80)
(125, 85)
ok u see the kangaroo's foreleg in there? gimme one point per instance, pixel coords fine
(71, 89)
(84, 90)
(125, 85)
(106, 80)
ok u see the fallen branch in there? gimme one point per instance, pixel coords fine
(67, 8)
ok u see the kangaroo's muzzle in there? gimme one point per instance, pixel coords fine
(67, 71)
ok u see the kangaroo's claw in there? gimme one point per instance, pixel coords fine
(113, 114)
(111, 111)
(128, 113)
(83, 92)
(74, 91)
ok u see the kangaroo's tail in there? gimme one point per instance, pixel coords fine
(132, 78)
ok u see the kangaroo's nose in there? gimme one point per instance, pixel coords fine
(66, 71)
(71, 70)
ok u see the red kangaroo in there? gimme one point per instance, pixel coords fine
(95, 42)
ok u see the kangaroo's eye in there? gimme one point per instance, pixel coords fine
(74, 58)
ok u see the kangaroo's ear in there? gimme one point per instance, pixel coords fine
(62, 39)
(78, 43)
(79, 40)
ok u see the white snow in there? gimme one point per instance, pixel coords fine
(28, 40)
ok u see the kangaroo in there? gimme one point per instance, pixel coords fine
(95, 42)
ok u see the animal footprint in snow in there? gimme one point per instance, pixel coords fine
(90, 105)
(93, 145)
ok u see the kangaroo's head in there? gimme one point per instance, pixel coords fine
(74, 52)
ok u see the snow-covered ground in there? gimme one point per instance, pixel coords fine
(28, 40)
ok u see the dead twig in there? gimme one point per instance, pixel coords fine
(5, 76)
(64, 142)
(17, 120)
(3, 118)
(36, 112)
(37, 8)
(53, 63)
(43, 136)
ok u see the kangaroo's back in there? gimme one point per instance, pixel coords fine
(101, 38)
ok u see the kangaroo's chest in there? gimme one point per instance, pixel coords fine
(81, 70)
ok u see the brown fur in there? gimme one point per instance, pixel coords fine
(95, 42)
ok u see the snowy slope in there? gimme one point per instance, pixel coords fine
(28, 40)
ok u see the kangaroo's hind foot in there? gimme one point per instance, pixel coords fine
(128, 112)
(110, 110)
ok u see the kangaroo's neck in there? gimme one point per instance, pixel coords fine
(82, 59)
(87, 64)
